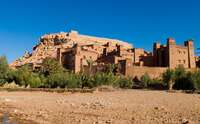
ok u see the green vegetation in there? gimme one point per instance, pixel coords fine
(168, 78)
(53, 75)
(146, 80)
(180, 79)
(3, 69)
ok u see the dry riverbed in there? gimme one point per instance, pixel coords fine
(117, 107)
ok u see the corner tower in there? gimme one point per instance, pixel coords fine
(191, 57)
(171, 45)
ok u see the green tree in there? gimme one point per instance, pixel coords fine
(169, 78)
(145, 79)
(180, 72)
(126, 83)
(57, 80)
(4, 68)
(51, 66)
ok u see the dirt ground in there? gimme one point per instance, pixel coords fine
(118, 107)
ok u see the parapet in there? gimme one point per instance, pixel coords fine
(189, 43)
(171, 41)
(156, 45)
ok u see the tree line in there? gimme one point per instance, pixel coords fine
(53, 75)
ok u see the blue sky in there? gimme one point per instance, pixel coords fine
(140, 22)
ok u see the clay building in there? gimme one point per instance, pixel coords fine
(173, 55)
(74, 51)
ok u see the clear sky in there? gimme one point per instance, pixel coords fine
(140, 22)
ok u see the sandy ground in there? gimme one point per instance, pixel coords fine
(118, 107)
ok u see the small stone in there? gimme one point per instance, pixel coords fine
(15, 111)
(185, 121)
(108, 122)
(156, 108)
(7, 100)
(72, 104)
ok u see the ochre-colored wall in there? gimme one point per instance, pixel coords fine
(153, 72)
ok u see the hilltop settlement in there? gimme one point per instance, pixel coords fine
(74, 51)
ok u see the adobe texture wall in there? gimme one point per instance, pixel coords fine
(126, 68)
(74, 51)
(153, 72)
(173, 55)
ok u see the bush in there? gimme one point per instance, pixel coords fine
(75, 81)
(3, 69)
(157, 84)
(88, 81)
(11, 75)
(110, 68)
(168, 78)
(185, 83)
(24, 77)
(145, 79)
(126, 83)
(34, 81)
(101, 78)
(53, 75)
(63, 80)
(196, 79)
(186, 80)
(51, 66)
(56, 80)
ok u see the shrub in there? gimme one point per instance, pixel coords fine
(51, 66)
(34, 81)
(145, 79)
(196, 79)
(156, 84)
(110, 68)
(168, 78)
(125, 82)
(185, 83)
(185, 80)
(104, 79)
(74, 81)
(180, 72)
(56, 80)
(3, 69)
(22, 75)
(11, 75)
(89, 81)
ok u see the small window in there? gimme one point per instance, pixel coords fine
(184, 61)
(179, 61)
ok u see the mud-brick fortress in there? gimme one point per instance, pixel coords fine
(74, 51)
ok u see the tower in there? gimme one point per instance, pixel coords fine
(171, 50)
(191, 57)
(156, 48)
